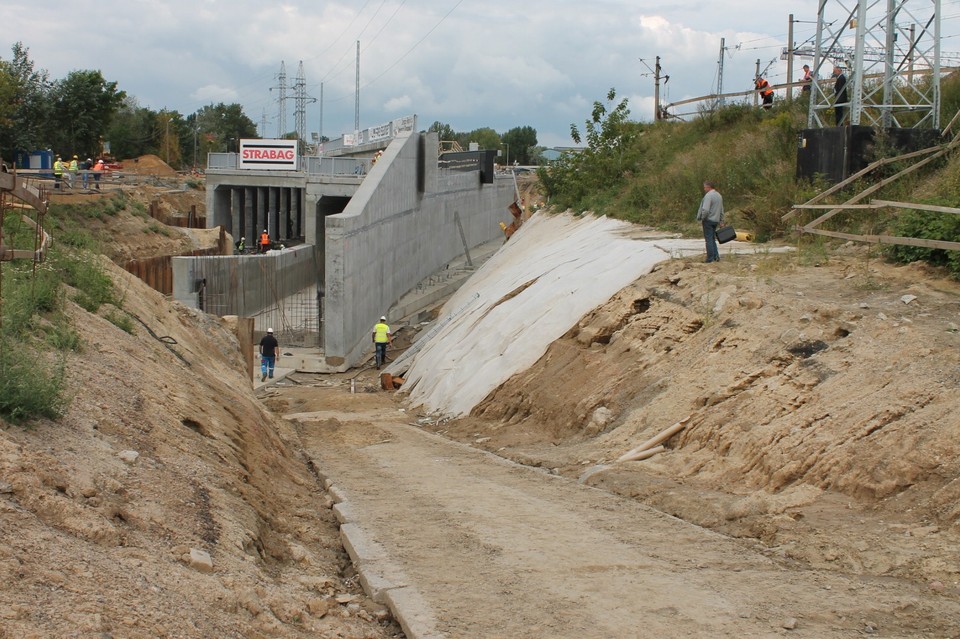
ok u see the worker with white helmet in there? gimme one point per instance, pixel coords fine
(269, 351)
(381, 337)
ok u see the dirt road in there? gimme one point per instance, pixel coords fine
(496, 549)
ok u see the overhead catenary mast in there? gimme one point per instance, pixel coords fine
(356, 108)
(282, 100)
(300, 100)
(878, 47)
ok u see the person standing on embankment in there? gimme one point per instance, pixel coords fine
(710, 215)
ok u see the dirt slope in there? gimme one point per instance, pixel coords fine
(165, 457)
(822, 404)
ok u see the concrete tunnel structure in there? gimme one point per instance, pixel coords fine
(361, 239)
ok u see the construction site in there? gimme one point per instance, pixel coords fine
(581, 430)
(633, 438)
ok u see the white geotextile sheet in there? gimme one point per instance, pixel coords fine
(566, 266)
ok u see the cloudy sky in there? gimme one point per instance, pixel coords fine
(466, 63)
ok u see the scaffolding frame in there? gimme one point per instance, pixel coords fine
(890, 52)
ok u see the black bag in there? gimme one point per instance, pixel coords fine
(725, 234)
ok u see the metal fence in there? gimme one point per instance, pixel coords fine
(312, 165)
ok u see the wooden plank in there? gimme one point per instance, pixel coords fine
(888, 239)
(839, 206)
(856, 176)
(919, 207)
(879, 185)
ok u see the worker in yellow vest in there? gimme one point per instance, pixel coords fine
(58, 169)
(72, 170)
(381, 337)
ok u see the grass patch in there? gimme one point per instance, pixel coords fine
(121, 320)
(157, 228)
(83, 271)
(138, 208)
(29, 385)
(36, 334)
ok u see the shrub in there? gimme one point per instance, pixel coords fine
(83, 272)
(29, 386)
(27, 295)
(931, 226)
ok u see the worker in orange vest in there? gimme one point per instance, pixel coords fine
(765, 92)
(264, 241)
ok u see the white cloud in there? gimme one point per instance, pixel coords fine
(501, 63)
(214, 93)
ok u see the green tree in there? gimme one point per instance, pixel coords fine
(131, 132)
(445, 131)
(521, 141)
(84, 104)
(219, 127)
(26, 104)
(605, 160)
(168, 125)
(485, 137)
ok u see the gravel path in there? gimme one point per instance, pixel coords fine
(466, 544)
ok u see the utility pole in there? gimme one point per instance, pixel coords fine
(720, 73)
(356, 108)
(756, 76)
(790, 59)
(263, 123)
(656, 90)
(321, 113)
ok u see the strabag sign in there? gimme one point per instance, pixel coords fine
(269, 155)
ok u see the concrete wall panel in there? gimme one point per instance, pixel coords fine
(391, 236)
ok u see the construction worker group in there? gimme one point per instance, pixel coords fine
(70, 170)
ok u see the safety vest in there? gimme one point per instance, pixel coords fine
(381, 332)
(58, 168)
(763, 84)
(74, 167)
(264, 238)
(98, 166)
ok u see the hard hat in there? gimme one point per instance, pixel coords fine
(74, 157)
(383, 318)
(269, 330)
(264, 230)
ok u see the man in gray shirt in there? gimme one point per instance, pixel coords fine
(710, 215)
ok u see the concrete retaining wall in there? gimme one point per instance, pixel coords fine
(392, 235)
(243, 284)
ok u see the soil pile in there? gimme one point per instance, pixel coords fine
(148, 165)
